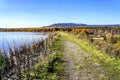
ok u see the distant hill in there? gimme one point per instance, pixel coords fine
(80, 25)
(67, 25)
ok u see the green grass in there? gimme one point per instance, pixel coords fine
(2, 63)
(109, 63)
(52, 68)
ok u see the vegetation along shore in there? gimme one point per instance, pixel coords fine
(78, 53)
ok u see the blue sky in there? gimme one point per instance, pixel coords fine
(36, 13)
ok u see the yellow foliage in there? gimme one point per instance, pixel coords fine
(109, 35)
(117, 45)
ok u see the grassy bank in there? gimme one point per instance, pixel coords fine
(20, 61)
(109, 63)
(52, 68)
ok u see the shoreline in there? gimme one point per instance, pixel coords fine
(30, 55)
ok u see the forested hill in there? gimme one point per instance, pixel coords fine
(80, 25)
(67, 25)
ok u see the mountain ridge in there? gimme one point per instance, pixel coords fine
(67, 24)
(80, 25)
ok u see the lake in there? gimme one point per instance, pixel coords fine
(18, 38)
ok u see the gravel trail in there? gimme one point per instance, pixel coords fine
(80, 65)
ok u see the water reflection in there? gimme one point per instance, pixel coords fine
(18, 38)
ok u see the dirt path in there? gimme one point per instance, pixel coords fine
(80, 65)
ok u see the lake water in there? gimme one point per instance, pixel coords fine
(18, 38)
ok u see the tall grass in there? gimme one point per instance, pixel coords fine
(20, 61)
(53, 67)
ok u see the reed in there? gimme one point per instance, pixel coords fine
(20, 61)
